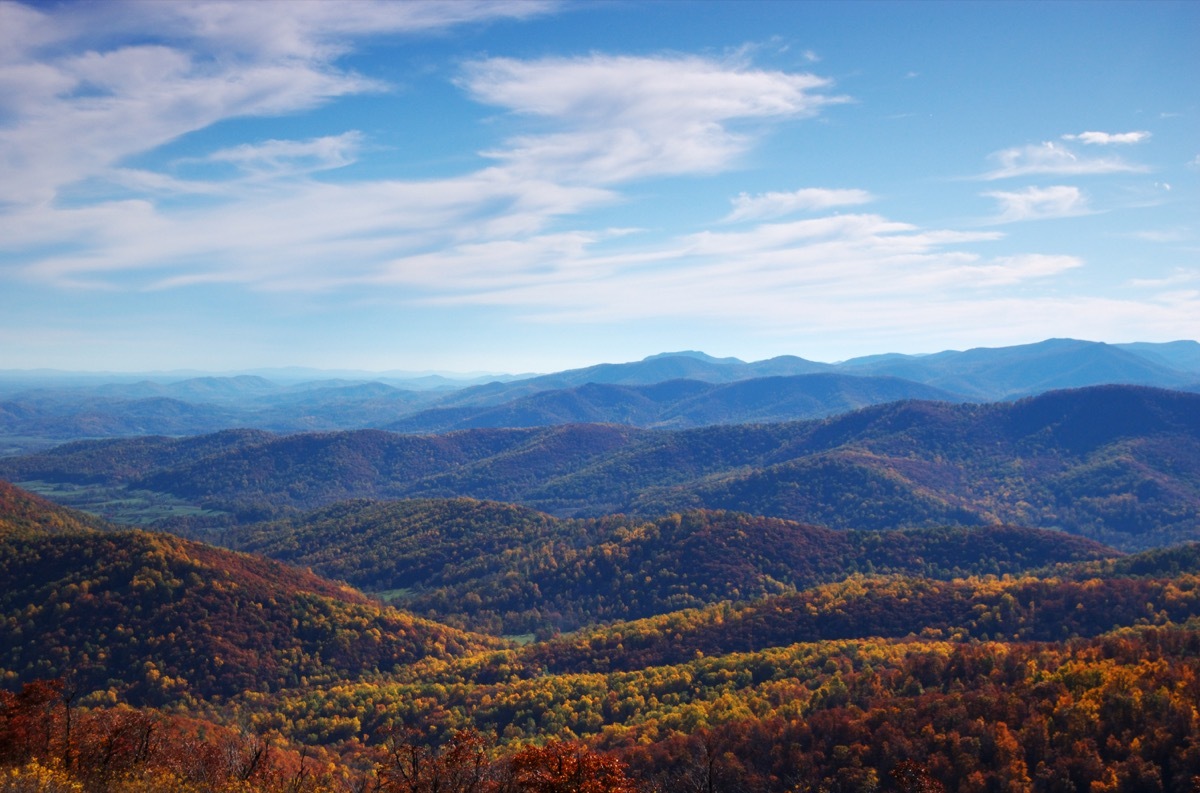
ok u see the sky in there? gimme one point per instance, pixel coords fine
(535, 186)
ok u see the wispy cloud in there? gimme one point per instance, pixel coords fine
(786, 275)
(274, 225)
(1108, 138)
(765, 206)
(1178, 278)
(74, 117)
(620, 118)
(1055, 159)
(862, 275)
(289, 157)
(1039, 203)
(510, 233)
(1163, 236)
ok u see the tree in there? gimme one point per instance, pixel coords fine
(564, 767)
(913, 777)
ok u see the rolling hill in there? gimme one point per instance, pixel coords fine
(158, 619)
(38, 410)
(510, 570)
(1119, 464)
(1078, 676)
(24, 514)
(680, 403)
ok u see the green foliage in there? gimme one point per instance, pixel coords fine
(509, 570)
(1119, 464)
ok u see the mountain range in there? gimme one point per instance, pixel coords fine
(1119, 464)
(675, 390)
(963, 571)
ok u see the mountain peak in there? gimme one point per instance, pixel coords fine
(700, 356)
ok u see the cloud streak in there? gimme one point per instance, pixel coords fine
(621, 118)
(1054, 159)
(290, 157)
(1109, 138)
(1040, 203)
(73, 117)
(91, 197)
(765, 206)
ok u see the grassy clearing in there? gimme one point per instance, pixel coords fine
(520, 639)
(16, 445)
(116, 503)
(393, 595)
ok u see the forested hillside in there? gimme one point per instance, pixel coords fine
(1046, 683)
(155, 619)
(23, 514)
(510, 570)
(1118, 464)
(913, 666)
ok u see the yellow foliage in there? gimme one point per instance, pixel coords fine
(37, 778)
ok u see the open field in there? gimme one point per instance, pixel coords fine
(116, 503)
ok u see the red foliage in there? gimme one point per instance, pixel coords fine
(563, 767)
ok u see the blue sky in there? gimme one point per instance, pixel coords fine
(533, 186)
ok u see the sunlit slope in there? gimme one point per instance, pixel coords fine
(23, 513)
(509, 569)
(156, 619)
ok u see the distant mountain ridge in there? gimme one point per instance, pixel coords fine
(1010, 372)
(1119, 464)
(681, 403)
(785, 388)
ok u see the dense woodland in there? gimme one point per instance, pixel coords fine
(909, 635)
(1118, 464)
(140, 661)
(511, 570)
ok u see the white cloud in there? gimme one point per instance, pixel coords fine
(1108, 138)
(1009, 270)
(24, 29)
(274, 226)
(1037, 203)
(792, 275)
(620, 118)
(75, 117)
(279, 29)
(285, 235)
(497, 236)
(1053, 158)
(1164, 236)
(284, 157)
(765, 206)
(1175, 279)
